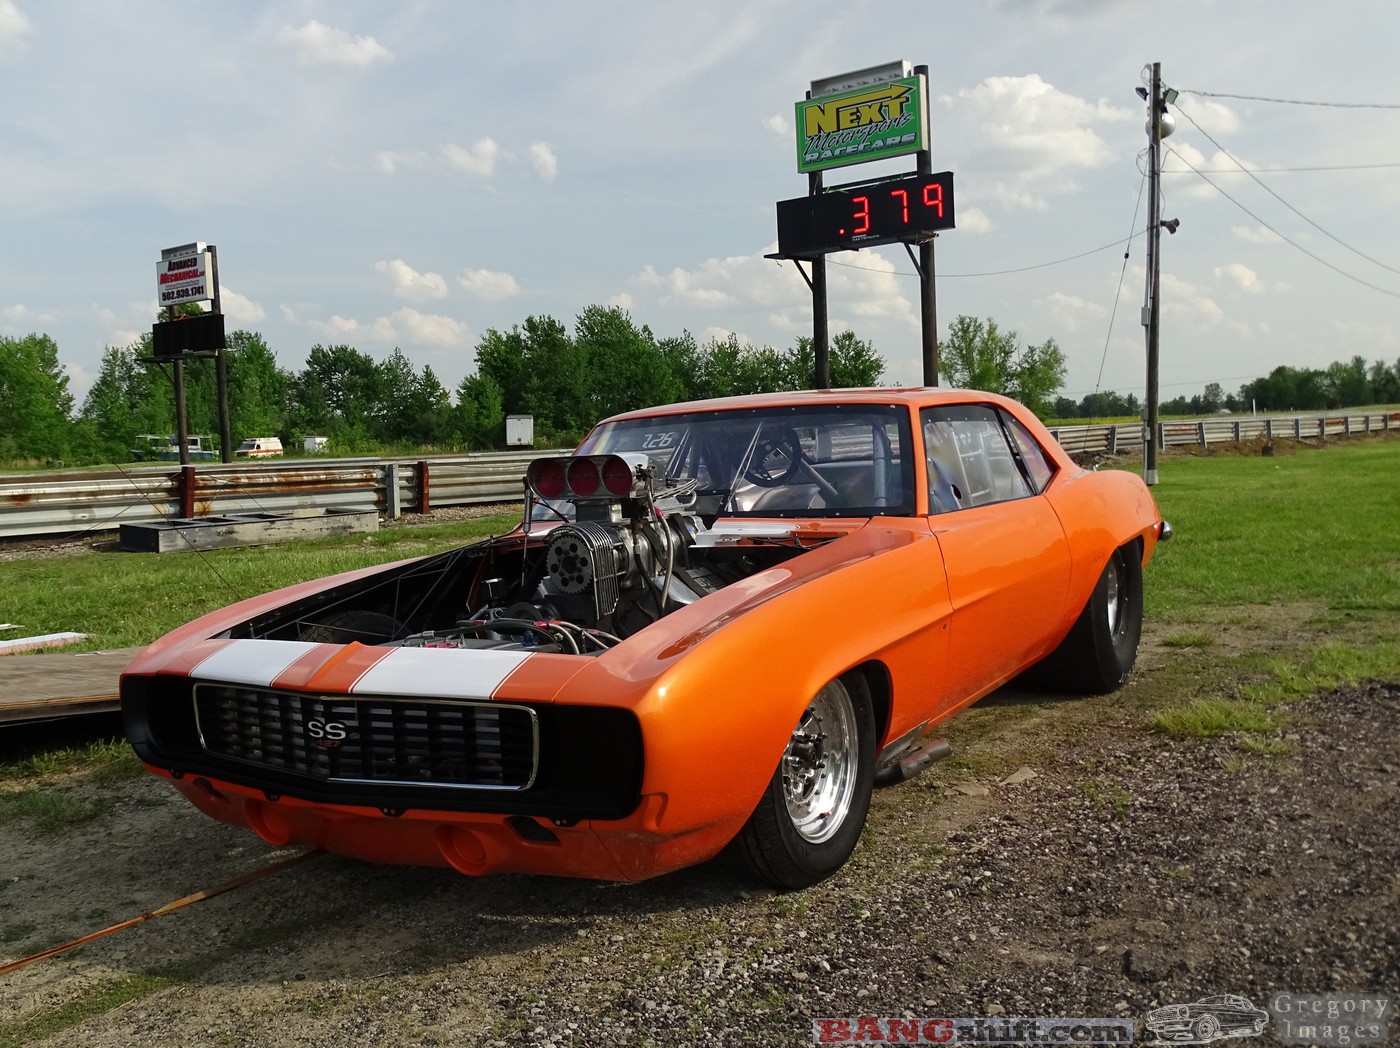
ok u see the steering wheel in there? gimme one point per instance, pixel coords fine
(775, 460)
(778, 460)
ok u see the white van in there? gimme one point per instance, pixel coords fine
(259, 447)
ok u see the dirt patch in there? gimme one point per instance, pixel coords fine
(1124, 871)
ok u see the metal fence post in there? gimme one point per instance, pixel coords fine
(425, 488)
(188, 483)
(392, 509)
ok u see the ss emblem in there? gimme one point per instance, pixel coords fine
(327, 734)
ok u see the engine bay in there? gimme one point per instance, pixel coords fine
(616, 557)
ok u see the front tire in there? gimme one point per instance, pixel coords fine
(811, 814)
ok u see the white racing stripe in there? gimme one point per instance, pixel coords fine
(252, 661)
(444, 673)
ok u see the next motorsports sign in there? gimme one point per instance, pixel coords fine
(872, 122)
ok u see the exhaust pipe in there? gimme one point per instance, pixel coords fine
(913, 762)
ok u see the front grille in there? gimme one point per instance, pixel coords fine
(403, 742)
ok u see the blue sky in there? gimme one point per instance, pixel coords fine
(412, 174)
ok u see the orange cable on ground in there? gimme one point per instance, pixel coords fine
(170, 907)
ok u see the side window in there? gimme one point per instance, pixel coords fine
(968, 459)
(1032, 454)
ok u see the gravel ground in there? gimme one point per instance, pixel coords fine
(1119, 871)
(1068, 862)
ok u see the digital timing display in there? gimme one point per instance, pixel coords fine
(906, 208)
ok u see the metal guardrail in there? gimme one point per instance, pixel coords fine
(83, 502)
(66, 503)
(1219, 429)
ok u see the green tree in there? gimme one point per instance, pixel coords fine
(340, 392)
(257, 388)
(34, 400)
(1213, 399)
(979, 355)
(481, 415)
(719, 367)
(625, 368)
(127, 398)
(684, 359)
(853, 362)
(1385, 382)
(540, 371)
(1347, 383)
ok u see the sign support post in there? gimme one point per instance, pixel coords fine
(928, 294)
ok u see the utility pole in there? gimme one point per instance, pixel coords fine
(1159, 125)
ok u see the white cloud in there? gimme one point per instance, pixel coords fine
(543, 160)
(14, 27)
(316, 43)
(125, 327)
(80, 381)
(24, 317)
(479, 159)
(872, 290)
(724, 334)
(488, 284)
(408, 283)
(1240, 275)
(694, 289)
(1195, 308)
(622, 300)
(1214, 118)
(870, 287)
(1367, 338)
(778, 124)
(973, 220)
(432, 329)
(240, 310)
(339, 329)
(1070, 312)
(1023, 125)
(388, 161)
(402, 326)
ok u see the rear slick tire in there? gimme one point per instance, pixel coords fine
(1098, 654)
(810, 817)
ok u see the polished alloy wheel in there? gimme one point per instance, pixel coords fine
(820, 763)
(1114, 594)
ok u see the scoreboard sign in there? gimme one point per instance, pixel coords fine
(182, 275)
(908, 208)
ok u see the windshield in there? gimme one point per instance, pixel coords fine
(841, 460)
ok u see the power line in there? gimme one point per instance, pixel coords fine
(991, 273)
(1271, 229)
(1118, 293)
(1285, 203)
(1291, 101)
(1286, 170)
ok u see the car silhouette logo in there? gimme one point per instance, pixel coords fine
(1209, 1019)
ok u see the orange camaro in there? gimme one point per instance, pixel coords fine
(719, 622)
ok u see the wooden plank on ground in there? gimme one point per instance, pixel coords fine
(60, 684)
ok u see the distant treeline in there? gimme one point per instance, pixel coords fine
(1344, 384)
(566, 379)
